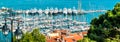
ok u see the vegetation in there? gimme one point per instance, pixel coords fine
(34, 36)
(86, 39)
(105, 28)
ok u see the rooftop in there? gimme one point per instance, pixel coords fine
(65, 35)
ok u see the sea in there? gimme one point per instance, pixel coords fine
(60, 4)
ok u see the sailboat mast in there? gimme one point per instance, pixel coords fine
(79, 6)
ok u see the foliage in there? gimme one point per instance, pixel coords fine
(37, 37)
(106, 28)
(34, 36)
(86, 39)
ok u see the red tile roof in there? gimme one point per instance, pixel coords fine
(68, 37)
(84, 33)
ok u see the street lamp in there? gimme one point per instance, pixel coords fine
(5, 29)
(18, 33)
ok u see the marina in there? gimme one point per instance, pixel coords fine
(46, 22)
(52, 17)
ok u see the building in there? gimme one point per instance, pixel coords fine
(65, 36)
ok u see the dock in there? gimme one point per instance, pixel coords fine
(46, 23)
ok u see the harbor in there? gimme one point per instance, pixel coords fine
(45, 22)
(57, 20)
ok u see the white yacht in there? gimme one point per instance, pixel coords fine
(33, 10)
(69, 11)
(60, 11)
(19, 11)
(51, 10)
(46, 11)
(74, 11)
(56, 11)
(40, 11)
(27, 11)
(65, 11)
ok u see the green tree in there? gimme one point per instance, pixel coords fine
(38, 37)
(27, 38)
(86, 39)
(107, 40)
(106, 26)
(34, 36)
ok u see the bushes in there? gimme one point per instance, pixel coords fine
(86, 39)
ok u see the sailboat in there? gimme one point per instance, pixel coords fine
(80, 11)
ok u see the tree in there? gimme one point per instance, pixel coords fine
(86, 39)
(117, 7)
(27, 38)
(107, 40)
(37, 36)
(34, 36)
(103, 28)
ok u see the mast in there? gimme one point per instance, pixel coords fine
(79, 6)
